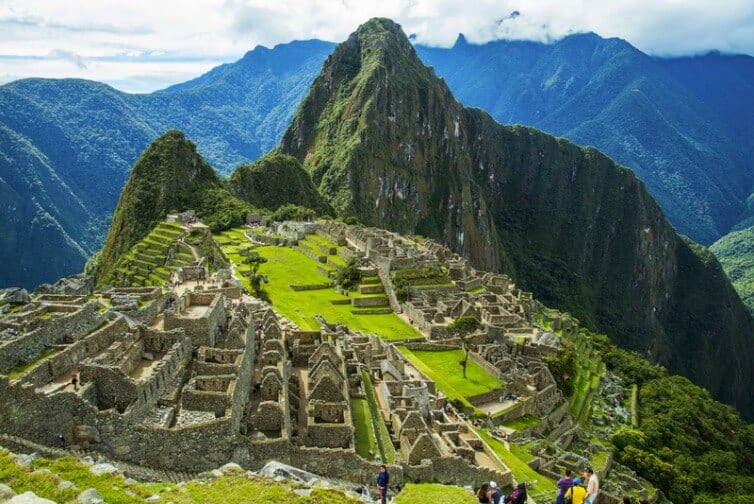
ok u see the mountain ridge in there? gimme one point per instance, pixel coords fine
(386, 142)
(234, 120)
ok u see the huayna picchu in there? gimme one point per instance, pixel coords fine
(296, 313)
(386, 143)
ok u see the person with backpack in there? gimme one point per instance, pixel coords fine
(484, 494)
(563, 484)
(576, 494)
(518, 496)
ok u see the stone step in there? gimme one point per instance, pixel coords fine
(371, 288)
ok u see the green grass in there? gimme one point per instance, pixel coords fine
(231, 489)
(425, 493)
(522, 423)
(443, 367)
(366, 442)
(477, 290)
(287, 266)
(599, 460)
(384, 444)
(521, 471)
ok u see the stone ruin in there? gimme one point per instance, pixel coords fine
(189, 382)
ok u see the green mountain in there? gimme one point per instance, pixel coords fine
(67, 147)
(169, 176)
(735, 251)
(386, 142)
(683, 125)
(274, 180)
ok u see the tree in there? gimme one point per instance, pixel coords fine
(462, 328)
(255, 260)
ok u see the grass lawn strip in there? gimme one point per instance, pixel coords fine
(521, 471)
(366, 442)
(384, 444)
(429, 493)
(446, 364)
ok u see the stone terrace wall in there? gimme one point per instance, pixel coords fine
(73, 354)
(30, 346)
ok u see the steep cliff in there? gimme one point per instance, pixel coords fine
(386, 142)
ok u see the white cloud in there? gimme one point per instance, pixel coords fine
(125, 37)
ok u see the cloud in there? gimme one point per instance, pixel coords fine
(140, 32)
(69, 56)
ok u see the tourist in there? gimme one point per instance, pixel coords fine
(61, 441)
(518, 496)
(75, 382)
(577, 493)
(383, 478)
(592, 486)
(496, 494)
(484, 494)
(563, 484)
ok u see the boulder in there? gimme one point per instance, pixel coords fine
(25, 460)
(66, 485)
(90, 496)
(6, 493)
(29, 498)
(16, 296)
(78, 285)
(104, 469)
(154, 498)
(231, 467)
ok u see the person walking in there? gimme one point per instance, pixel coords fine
(592, 486)
(563, 485)
(383, 478)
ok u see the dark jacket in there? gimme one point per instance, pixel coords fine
(382, 479)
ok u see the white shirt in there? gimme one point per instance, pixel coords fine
(593, 486)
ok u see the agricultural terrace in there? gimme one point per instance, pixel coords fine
(443, 366)
(287, 266)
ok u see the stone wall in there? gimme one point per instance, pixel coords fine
(65, 360)
(29, 347)
(204, 330)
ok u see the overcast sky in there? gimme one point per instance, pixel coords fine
(143, 45)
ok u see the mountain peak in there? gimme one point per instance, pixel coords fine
(460, 41)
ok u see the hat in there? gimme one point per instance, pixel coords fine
(493, 484)
(576, 481)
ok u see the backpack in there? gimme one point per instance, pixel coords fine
(497, 495)
(568, 496)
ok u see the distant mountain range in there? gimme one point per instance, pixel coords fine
(684, 125)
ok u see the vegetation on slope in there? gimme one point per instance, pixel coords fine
(386, 142)
(275, 180)
(228, 489)
(690, 446)
(735, 252)
(169, 176)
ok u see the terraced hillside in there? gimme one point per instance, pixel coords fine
(151, 260)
